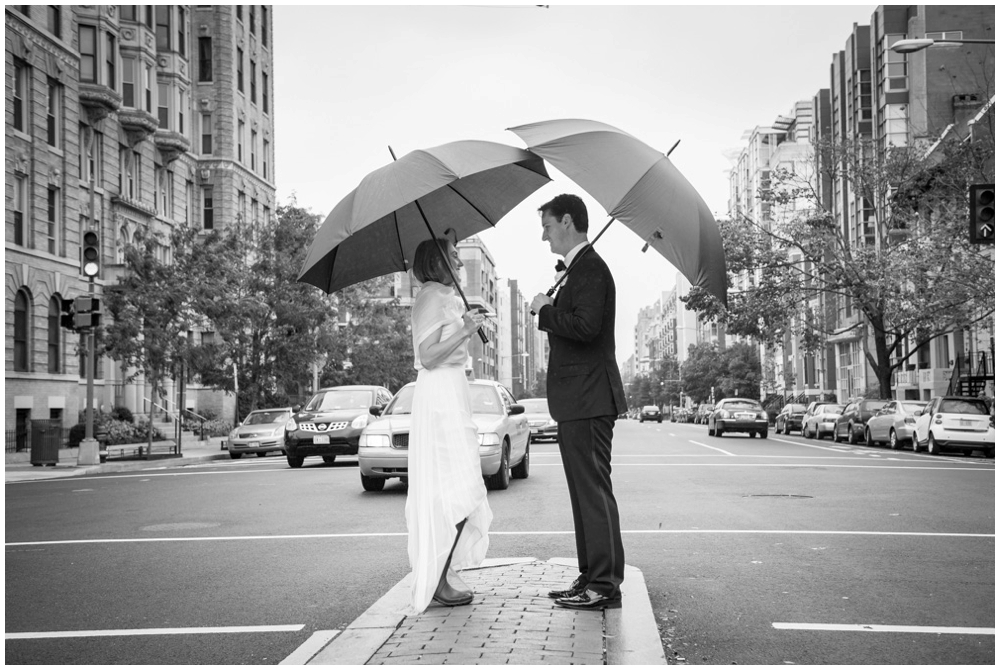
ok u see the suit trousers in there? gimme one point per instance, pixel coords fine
(585, 446)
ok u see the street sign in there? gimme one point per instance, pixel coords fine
(982, 224)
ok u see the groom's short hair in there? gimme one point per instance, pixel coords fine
(567, 203)
(429, 264)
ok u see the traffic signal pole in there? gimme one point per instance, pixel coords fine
(89, 453)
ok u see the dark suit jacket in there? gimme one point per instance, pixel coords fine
(583, 380)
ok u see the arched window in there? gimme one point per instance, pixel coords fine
(55, 335)
(21, 331)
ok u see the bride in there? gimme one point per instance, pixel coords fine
(447, 515)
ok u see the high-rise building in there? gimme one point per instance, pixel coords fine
(120, 119)
(480, 288)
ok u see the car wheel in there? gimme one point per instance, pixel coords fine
(520, 471)
(372, 483)
(711, 431)
(659, 421)
(762, 434)
(914, 443)
(869, 442)
(932, 446)
(235, 456)
(295, 461)
(718, 431)
(989, 453)
(501, 480)
(852, 435)
(836, 435)
(788, 430)
(640, 420)
(893, 440)
(330, 459)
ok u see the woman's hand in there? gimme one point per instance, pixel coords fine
(472, 320)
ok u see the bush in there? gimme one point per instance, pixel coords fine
(123, 432)
(76, 435)
(122, 414)
(217, 428)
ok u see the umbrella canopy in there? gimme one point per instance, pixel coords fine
(640, 187)
(466, 186)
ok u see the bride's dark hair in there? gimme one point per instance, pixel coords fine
(429, 263)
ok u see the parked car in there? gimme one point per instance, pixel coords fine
(955, 423)
(789, 418)
(893, 424)
(331, 423)
(541, 423)
(261, 432)
(704, 409)
(850, 425)
(740, 415)
(820, 418)
(651, 413)
(504, 450)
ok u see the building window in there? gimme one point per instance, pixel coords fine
(241, 205)
(239, 69)
(55, 332)
(204, 59)
(128, 81)
(207, 208)
(19, 202)
(165, 188)
(181, 30)
(110, 59)
(239, 12)
(263, 91)
(52, 220)
(163, 27)
(21, 332)
(206, 133)
(147, 82)
(180, 112)
(253, 81)
(253, 150)
(88, 53)
(53, 117)
(253, 211)
(55, 20)
(264, 154)
(163, 102)
(149, 16)
(239, 141)
(90, 153)
(263, 25)
(20, 80)
(188, 202)
(253, 22)
(128, 12)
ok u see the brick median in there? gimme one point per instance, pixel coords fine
(511, 621)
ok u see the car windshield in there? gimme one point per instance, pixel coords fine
(402, 403)
(829, 409)
(535, 406)
(485, 400)
(267, 416)
(911, 407)
(795, 408)
(742, 404)
(330, 400)
(970, 406)
(650, 408)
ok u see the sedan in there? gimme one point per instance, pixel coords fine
(541, 423)
(893, 424)
(738, 415)
(651, 413)
(331, 423)
(955, 423)
(261, 432)
(820, 419)
(503, 438)
(851, 423)
(789, 418)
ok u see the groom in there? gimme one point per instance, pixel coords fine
(585, 396)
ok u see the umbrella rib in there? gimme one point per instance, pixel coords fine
(399, 239)
(469, 202)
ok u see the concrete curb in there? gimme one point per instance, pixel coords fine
(25, 474)
(632, 637)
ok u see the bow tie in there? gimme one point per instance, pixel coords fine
(560, 267)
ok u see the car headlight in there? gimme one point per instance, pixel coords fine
(488, 439)
(361, 421)
(291, 425)
(373, 440)
(550, 423)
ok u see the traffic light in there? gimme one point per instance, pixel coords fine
(91, 254)
(981, 223)
(66, 318)
(87, 313)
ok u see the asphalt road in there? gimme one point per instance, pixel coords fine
(754, 552)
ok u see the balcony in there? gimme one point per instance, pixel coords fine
(99, 100)
(138, 124)
(170, 144)
(905, 378)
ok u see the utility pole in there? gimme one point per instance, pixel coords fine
(89, 453)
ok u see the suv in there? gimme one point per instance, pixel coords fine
(650, 413)
(851, 423)
(331, 422)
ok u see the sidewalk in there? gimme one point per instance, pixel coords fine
(511, 622)
(191, 452)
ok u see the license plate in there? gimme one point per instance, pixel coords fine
(965, 423)
(321, 439)
(745, 416)
(254, 445)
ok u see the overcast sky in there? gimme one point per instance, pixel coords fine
(350, 81)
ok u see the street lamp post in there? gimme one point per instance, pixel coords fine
(918, 44)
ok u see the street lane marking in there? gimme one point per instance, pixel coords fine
(341, 536)
(708, 447)
(310, 647)
(876, 628)
(125, 632)
(839, 450)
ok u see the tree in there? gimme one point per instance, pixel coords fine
(909, 271)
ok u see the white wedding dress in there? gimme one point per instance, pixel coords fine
(445, 479)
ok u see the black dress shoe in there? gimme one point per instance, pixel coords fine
(578, 586)
(450, 596)
(591, 600)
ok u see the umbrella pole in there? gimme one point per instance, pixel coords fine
(447, 261)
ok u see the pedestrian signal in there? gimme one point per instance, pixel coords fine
(91, 254)
(87, 313)
(981, 223)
